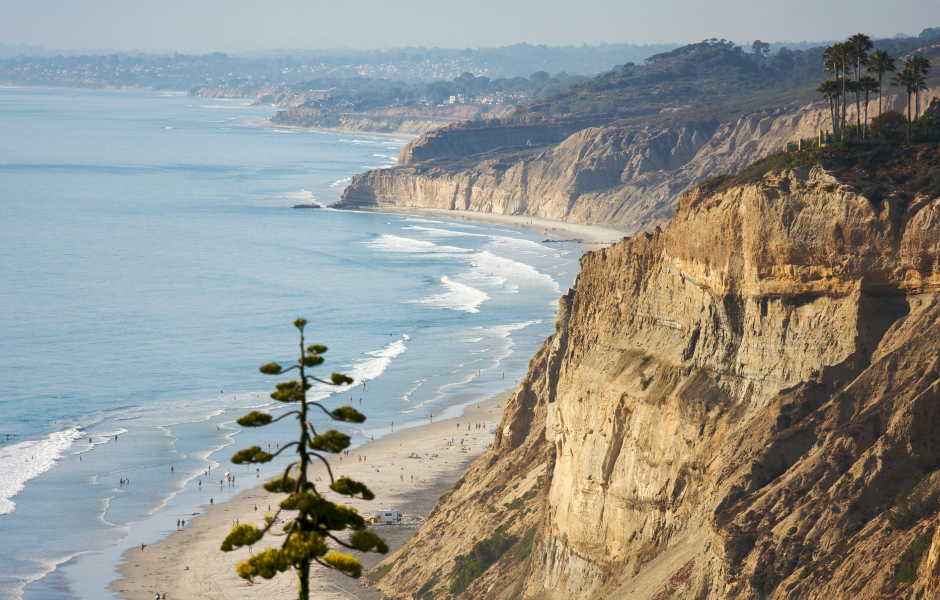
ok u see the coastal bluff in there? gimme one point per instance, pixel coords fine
(626, 172)
(742, 405)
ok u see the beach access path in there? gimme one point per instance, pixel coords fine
(189, 565)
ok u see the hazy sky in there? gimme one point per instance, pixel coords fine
(242, 25)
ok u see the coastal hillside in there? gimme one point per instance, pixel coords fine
(619, 149)
(398, 121)
(740, 406)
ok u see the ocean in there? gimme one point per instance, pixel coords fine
(150, 261)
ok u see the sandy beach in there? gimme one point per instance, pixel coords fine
(188, 564)
(591, 236)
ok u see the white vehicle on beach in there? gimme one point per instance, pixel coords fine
(386, 516)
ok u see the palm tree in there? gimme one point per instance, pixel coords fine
(859, 45)
(908, 80)
(879, 63)
(843, 56)
(920, 66)
(830, 89)
(833, 65)
(867, 84)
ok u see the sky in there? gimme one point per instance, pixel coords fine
(198, 26)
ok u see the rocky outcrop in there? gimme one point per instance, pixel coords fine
(627, 174)
(741, 406)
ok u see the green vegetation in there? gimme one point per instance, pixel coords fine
(522, 550)
(876, 168)
(713, 73)
(645, 382)
(906, 569)
(483, 555)
(518, 502)
(910, 506)
(426, 591)
(380, 572)
(845, 61)
(318, 520)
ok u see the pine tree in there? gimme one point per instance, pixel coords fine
(318, 521)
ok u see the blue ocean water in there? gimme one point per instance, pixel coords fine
(150, 262)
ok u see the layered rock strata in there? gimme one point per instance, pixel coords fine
(627, 174)
(741, 406)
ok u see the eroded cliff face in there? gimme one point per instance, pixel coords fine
(627, 174)
(742, 406)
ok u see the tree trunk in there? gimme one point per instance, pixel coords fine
(908, 117)
(879, 95)
(866, 116)
(844, 99)
(303, 580)
(858, 100)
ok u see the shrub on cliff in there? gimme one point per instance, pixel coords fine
(889, 125)
(483, 555)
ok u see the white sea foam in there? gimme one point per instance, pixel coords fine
(403, 245)
(301, 197)
(23, 461)
(486, 263)
(459, 296)
(340, 182)
(371, 368)
(420, 220)
(435, 231)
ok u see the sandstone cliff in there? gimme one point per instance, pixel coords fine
(741, 406)
(627, 173)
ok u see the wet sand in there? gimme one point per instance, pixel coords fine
(189, 565)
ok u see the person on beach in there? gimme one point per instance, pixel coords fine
(177, 523)
(183, 523)
(210, 501)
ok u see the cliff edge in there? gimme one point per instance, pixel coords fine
(622, 164)
(741, 406)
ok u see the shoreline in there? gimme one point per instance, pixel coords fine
(564, 231)
(266, 124)
(189, 564)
